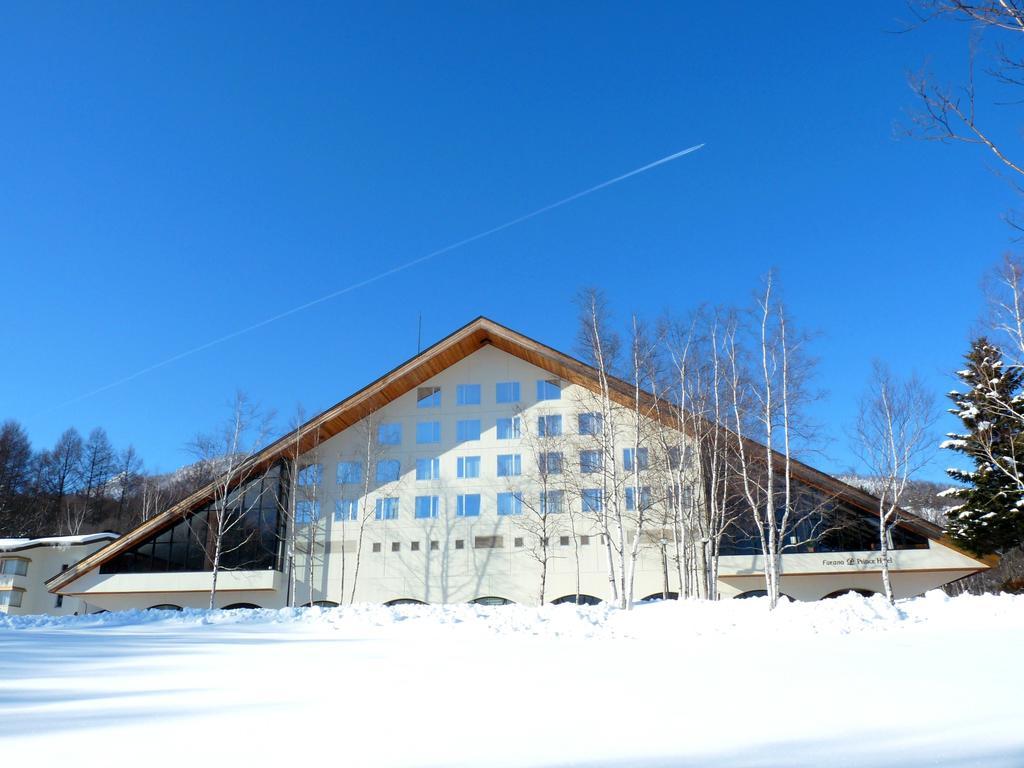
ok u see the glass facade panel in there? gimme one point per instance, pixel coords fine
(345, 509)
(506, 392)
(510, 503)
(591, 498)
(426, 507)
(428, 469)
(468, 467)
(428, 432)
(508, 429)
(467, 429)
(627, 459)
(590, 462)
(428, 397)
(388, 470)
(590, 423)
(510, 465)
(350, 472)
(549, 426)
(467, 505)
(550, 463)
(386, 508)
(467, 394)
(389, 433)
(549, 389)
(252, 539)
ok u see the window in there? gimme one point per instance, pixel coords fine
(11, 597)
(467, 394)
(508, 429)
(510, 465)
(414, 546)
(350, 472)
(307, 512)
(460, 544)
(510, 503)
(428, 469)
(389, 434)
(434, 545)
(675, 457)
(14, 567)
(517, 541)
(426, 507)
(59, 602)
(345, 509)
(645, 498)
(591, 499)
(467, 505)
(428, 397)
(506, 392)
(549, 426)
(563, 541)
(590, 423)
(428, 432)
(487, 542)
(396, 546)
(627, 459)
(376, 546)
(467, 429)
(550, 463)
(590, 462)
(386, 508)
(584, 541)
(388, 470)
(552, 502)
(549, 389)
(468, 466)
(311, 474)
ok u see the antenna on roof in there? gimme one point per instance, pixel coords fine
(419, 332)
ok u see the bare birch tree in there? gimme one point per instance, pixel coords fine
(765, 404)
(894, 440)
(233, 446)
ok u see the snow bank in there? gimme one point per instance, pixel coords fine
(845, 682)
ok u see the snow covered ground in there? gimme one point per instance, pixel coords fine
(848, 682)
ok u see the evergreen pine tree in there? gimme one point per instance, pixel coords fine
(991, 517)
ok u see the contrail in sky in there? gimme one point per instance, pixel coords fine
(380, 276)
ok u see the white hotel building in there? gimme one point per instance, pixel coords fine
(437, 463)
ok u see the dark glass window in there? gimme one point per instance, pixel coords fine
(252, 539)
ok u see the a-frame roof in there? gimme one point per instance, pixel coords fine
(410, 374)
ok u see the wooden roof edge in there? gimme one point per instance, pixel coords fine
(490, 327)
(270, 453)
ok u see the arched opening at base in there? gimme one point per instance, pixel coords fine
(321, 604)
(841, 592)
(660, 596)
(240, 606)
(576, 600)
(163, 607)
(404, 601)
(758, 593)
(491, 600)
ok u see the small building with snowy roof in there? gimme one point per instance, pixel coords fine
(26, 565)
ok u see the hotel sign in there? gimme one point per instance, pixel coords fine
(856, 562)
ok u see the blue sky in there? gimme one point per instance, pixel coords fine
(173, 173)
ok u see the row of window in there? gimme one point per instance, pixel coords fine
(504, 392)
(15, 566)
(466, 505)
(11, 598)
(480, 542)
(467, 467)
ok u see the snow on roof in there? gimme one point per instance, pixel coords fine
(7, 545)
